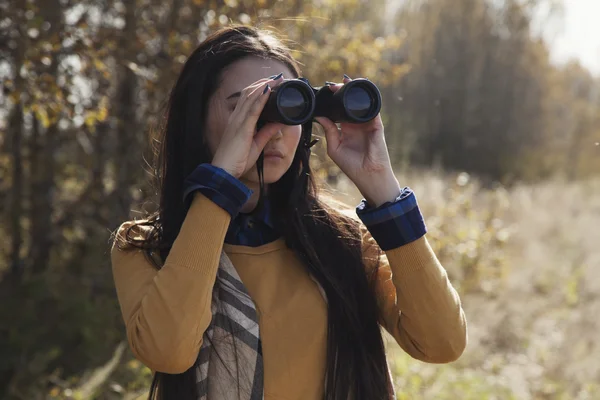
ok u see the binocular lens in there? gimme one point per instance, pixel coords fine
(359, 102)
(293, 103)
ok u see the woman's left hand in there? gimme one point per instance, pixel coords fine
(361, 153)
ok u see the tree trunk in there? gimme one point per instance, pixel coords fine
(41, 195)
(43, 147)
(15, 134)
(15, 127)
(127, 146)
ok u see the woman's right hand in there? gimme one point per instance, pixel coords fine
(240, 146)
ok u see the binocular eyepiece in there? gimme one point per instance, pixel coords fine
(295, 102)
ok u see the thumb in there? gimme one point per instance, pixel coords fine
(332, 134)
(265, 134)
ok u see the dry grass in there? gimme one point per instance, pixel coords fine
(525, 262)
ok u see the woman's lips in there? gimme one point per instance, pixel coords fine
(273, 155)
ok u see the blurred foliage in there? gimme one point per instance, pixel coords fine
(482, 96)
(470, 243)
(417, 381)
(467, 86)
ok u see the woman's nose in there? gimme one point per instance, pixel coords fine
(277, 136)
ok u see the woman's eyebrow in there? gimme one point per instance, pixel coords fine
(236, 94)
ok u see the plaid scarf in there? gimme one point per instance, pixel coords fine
(230, 363)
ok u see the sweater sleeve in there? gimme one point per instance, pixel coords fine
(418, 305)
(167, 311)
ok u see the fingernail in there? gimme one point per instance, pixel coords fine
(346, 76)
(272, 76)
(278, 76)
(266, 89)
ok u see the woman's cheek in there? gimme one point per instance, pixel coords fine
(294, 137)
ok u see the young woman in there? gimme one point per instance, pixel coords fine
(248, 288)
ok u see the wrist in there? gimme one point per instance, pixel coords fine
(217, 185)
(381, 190)
(224, 167)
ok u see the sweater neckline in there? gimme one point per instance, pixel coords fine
(262, 249)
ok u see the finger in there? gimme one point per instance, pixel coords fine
(247, 99)
(246, 96)
(332, 134)
(254, 90)
(334, 87)
(257, 89)
(256, 105)
(255, 101)
(277, 79)
(272, 81)
(250, 114)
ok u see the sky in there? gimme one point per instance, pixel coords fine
(579, 36)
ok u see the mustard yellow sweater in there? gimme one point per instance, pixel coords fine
(166, 311)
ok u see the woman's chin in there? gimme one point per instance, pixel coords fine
(271, 175)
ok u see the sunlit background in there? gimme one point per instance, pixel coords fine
(492, 114)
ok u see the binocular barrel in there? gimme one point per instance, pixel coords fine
(295, 102)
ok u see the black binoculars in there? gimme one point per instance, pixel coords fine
(295, 102)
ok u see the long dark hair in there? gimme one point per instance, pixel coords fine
(327, 241)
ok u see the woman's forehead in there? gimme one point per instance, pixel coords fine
(246, 71)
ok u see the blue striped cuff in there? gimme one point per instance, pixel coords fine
(395, 223)
(219, 186)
